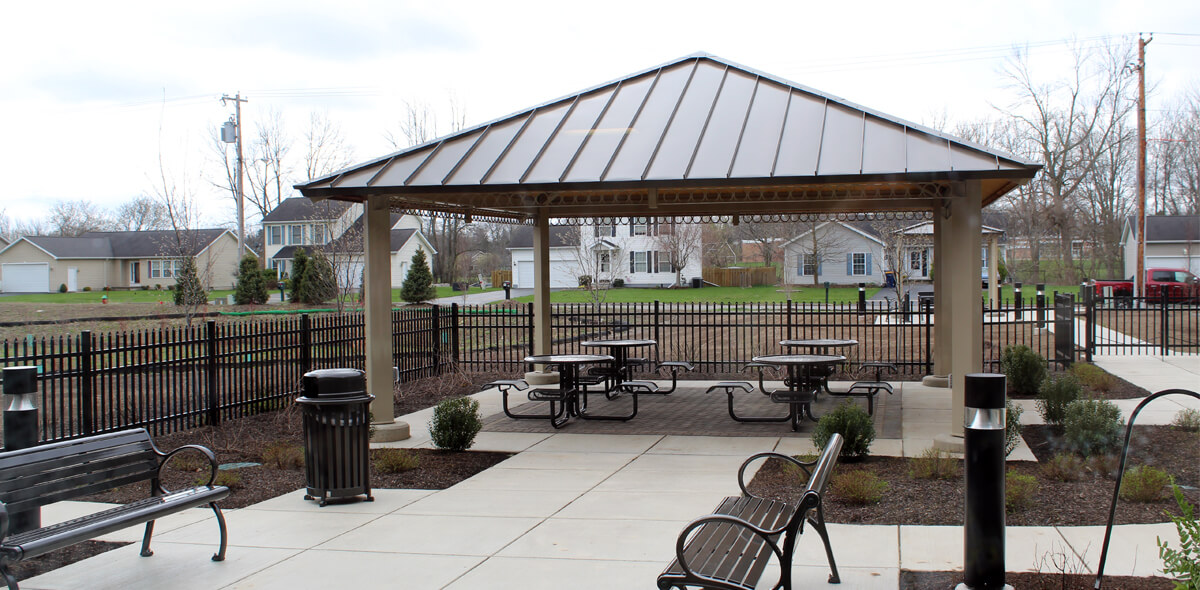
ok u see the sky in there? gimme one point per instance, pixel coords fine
(103, 99)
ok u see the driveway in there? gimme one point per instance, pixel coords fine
(482, 298)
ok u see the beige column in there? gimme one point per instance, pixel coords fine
(942, 352)
(962, 267)
(541, 285)
(993, 271)
(377, 287)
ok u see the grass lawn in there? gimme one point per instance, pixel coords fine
(94, 297)
(448, 292)
(713, 294)
(1029, 292)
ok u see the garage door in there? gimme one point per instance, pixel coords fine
(524, 275)
(561, 275)
(26, 277)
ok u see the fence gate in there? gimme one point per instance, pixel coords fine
(1064, 329)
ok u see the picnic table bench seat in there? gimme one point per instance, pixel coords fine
(732, 547)
(869, 389)
(67, 470)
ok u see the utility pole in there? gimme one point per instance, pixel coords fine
(237, 125)
(1139, 280)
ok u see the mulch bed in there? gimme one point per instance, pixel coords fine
(910, 580)
(1121, 389)
(909, 500)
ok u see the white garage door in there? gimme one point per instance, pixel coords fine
(27, 277)
(561, 275)
(524, 275)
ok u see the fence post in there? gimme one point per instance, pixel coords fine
(86, 381)
(657, 331)
(305, 343)
(214, 410)
(789, 318)
(1018, 302)
(437, 340)
(529, 322)
(929, 319)
(454, 333)
(1165, 326)
(1089, 316)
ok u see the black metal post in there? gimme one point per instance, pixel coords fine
(1041, 305)
(305, 343)
(87, 393)
(1018, 303)
(454, 333)
(907, 308)
(1165, 331)
(20, 432)
(1089, 313)
(214, 407)
(862, 298)
(507, 290)
(983, 439)
(826, 292)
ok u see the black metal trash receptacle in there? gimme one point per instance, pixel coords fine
(697, 282)
(336, 434)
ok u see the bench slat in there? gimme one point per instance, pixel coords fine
(58, 471)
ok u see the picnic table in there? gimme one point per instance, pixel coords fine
(820, 346)
(570, 395)
(805, 376)
(619, 350)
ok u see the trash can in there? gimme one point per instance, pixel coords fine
(889, 279)
(697, 282)
(337, 427)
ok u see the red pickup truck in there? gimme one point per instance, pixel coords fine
(1179, 284)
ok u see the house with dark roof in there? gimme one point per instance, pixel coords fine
(346, 251)
(1172, 241)
(833, 251)
(117, 260)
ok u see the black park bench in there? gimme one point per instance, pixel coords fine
(41, 475)
(731, 548)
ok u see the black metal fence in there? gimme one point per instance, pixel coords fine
(177, 378)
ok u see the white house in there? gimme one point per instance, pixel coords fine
(636, 250)
(346, 251)
(918, 249)
(843, 254)
(1172, 241)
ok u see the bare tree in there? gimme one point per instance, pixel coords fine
(325, 148)
(74, 218)
(826, 241)
(141, 214)
(681, 242)
(267, 170)
(418, 124)
(600, 261)
(897, 243)
(1174, 159)
(1108, 199)
(766, 235)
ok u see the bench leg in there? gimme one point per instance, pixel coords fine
(146, 552)
(220, 554)
(9, 579)
(819, 524)
(734, 415)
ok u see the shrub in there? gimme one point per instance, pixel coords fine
(455, 424)
(1094, 377)
(270, 278)
(1144, 484)
(189, 462)
(145, 287)
(585, 281)
(418, 283)
(859, 487)
(250, 288)
(618, 283)
(62, 288)
(228, 479)
(1063, 467)
(1187, 419)
(934, 464)
(188, 290)
(283, 455)
(1012, 426)
(1093, 426)
(1024, 368)
(1105, 466)
(853, 423)
(1057, 391)
(1183, 564)
(1018, 491)
(395, 460)
(89, 289)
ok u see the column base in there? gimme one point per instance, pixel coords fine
(397, 430)
(951, 443)
(534, 378)
(962, 586)
(936, 381)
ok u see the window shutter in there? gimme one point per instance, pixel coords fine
(819, 267)
(849, 265)
(632, 268)
(654, 263)
(800, 265)
(868, 263)
(631, 220)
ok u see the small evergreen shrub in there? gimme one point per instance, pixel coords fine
(283, 455)
(1187, 419)
(1184, 563)
(188, 290)
(455, 424)
(853, 423)
(585, 281)
(1018, 491)
(145, 287)
(62, 288)
(934, 464)
(618, 283)
(1012, 426)
(250, 288)
(1063, 467)
(418, 283)
(1094, 377)
(1056, 392)
(1093, 426)
(1144, 484)
(1024, 368)
(858, 487)
(395, 460)
(87, 289)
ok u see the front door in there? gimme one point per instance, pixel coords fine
(72, 279)
(135, 273)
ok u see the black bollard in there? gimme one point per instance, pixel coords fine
(507, 290)
(862, 298)
(983, 441)
(21, 432)
(1041, 305)
(1018, 303)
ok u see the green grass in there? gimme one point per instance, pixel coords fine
(711, 294)
(1029, 292)
(150, 296)
(448, 292)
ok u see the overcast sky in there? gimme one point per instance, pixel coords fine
(94, 92)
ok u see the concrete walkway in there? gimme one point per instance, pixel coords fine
(577, 510)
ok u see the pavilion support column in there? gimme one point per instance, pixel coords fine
(377, 286)
(942, 352)
(962, 270)
(542, 342)
(993, 271)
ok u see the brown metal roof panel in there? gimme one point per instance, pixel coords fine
(760, 139)
(564, 144)
(883, 146)
(400, 168)
(721, 135)
(358, 177)
(488, 150)
(926, 153)
(800, 146)
(682, 136)
(964, 158)
(842, 141)
(617, 122)
(635, 152)
(448, 154)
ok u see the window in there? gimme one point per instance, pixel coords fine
(808, 265)
(639, 262)
(639, 226)
(319, 234)
(275, 235)
(603, 262)
(858, 263)
(914, 260)
(606, 229)
(163, 269)
(295, 234)
(664, 261)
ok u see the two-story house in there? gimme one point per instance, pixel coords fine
(303, 223)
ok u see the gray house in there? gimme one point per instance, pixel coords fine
(1172, 241)
(841, 253)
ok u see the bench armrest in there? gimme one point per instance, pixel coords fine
(166, 457)
(804, 466)
(681, 542)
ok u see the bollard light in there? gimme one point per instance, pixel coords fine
(983, 443)
(21, 431)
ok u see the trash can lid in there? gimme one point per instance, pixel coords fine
(333, 382)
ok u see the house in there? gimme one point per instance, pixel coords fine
(840, 253)
(918, 249)
(752, 250)
(634, 250)
(117, 260)
(346, 251)
(1172, 241)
